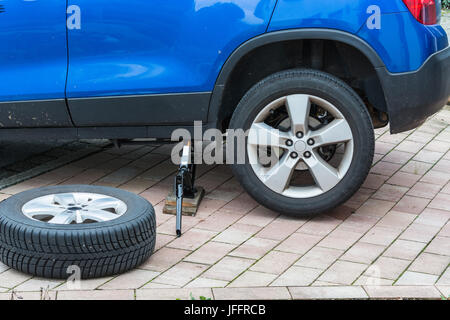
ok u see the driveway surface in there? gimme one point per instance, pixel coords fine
(391, 240)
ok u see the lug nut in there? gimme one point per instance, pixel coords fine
(289, 143)
(299, 134)
(311, 141)
(307, 154)
(294, 155)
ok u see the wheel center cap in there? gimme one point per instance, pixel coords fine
(300, 146)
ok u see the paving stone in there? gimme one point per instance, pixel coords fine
(340, 239)
(253, 279)
(387, 268)
(362, 252)
(404, 179)
(419, 232)
(343, 272)
(320, 225)
(404, 249)
(381, 236)
(11, 278)
(445, 291)
(396, 220)
(228, 268)
(131, 280)
(180, 274)
(299, 243)
(28, 295)
(96, 295)
(164, 259)
(375, 208)
(402, 292)
(237, 233)
(36, 284)
(416, 167)
(428, 156)
(173, 294)
(332, 292)
(206, 283)
(297, 276)
(412, 205)
(280, 229)
(372, 281)
(210, 252)
(424, 190)
(385, 168)
(219, 221)
(192, 239)
(390, 192)
(259, 216)
(398, 157)
(410, 278)
(374, 181)
(275, 262)
(441, 201)
(436, 177)
(439, 245)
(254, 248)
(445, 277)
(319, 258)
(270, 293)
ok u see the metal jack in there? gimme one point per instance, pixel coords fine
(184, 183)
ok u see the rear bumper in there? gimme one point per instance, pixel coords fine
(414, 96)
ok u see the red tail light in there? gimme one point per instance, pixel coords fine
(425, 11)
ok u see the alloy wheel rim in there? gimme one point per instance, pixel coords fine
(300, 145)
(74, 208)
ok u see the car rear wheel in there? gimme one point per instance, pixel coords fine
(310, 142)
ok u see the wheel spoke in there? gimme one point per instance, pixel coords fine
(337, 131)
(98, 215)
(65, 217)
(103, 203)
(325, 176)
(262, 134)
(42, 209)
(279, 176)
(65, 199)
(298, 106)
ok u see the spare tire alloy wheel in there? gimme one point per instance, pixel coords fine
(101, 231)
(317, 134)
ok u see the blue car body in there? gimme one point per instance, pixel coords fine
(143, 64)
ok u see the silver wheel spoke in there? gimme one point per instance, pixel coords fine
(262, 134)
(279, 176)
(103, 203)
(298, 106)
(324, 174)
(98, 215)
(337, 131)
(65, 217)
(43, 209)
(65, 199)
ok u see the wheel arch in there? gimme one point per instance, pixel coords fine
(218, 108)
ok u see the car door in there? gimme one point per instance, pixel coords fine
(141, 62)
(33, 64)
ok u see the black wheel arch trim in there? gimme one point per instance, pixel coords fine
(279, 36)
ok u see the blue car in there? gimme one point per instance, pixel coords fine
(316, 77)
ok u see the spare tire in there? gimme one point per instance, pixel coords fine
(54, 231)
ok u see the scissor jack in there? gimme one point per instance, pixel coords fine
(185, 198)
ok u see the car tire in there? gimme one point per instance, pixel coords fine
(316, 88)
(105, 231)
